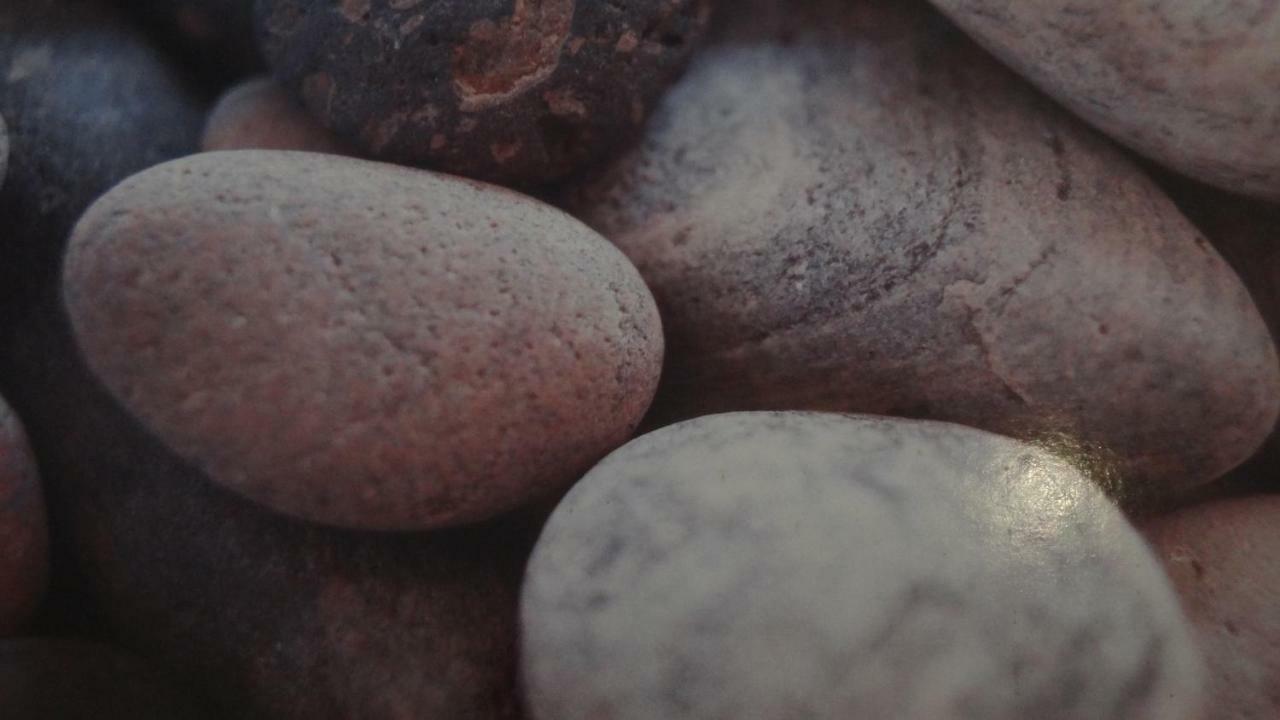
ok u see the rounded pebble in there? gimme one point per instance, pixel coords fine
(1182, 83)
(519, 93)
(24, 534)
(396, 349)
(259, 115)
(1222, 558)
(787, 565)
(847, 206)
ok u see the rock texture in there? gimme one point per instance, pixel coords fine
(396, 349)
(1183, 83)
(271, 619)
(847, 206)
(1222, 559)
(514, 91)
(87, 102)
(259, 115)
(24, 534)
(57, 679)
(785, 565)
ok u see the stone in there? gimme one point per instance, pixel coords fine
(521, 93)
(88, 102)
(214, 37)
(397, 350)
(788, 565)
(24, 532)
(847, 206)
(1222, 559)
(65, 679)
(1182, 83)
(4, 150)
(259, 115)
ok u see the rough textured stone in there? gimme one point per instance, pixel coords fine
(272, 619)
(788, 565)
(1187, 84)
(514, 91)
(259, 115)
(1222, 559)
(396, 349)
(58, 679)
(847, 206)
(214, 36)
(24, 534)
(88, 102)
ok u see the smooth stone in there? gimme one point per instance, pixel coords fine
(268, 618)
(797, 565)
(64, 679)
(88, 102)
(518, 93)
(1222, 560)
(848, 206)
(259, 115)
(397, 349)
(1186, 84)
(24, 532)
(215, 37)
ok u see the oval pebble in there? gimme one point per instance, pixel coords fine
(259, 115)
(1222, 560)
(847, 206)
(396, 349)
(1188, 84)
(64, 679)
(519, 93)
(24, 535)
(787, 565)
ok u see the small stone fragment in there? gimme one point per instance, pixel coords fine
(259, 115)
(520, 93)
(24, 534)
(796, 565)
(1222, 558)
(396, 349)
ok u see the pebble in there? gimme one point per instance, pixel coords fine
(518, 93)
(1222, 559)
(259, 115)
(797, 565)
(24, 535)
(63, 679)
(1182, 83)
(87, 102)
(397, 350)
(847, 206)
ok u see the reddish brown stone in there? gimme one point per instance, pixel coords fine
(514, 91)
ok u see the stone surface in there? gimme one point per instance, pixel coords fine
(1222, 560)
(87, 102)
(396, 349)
(259, 115)
(24, 533)
(62, 679)
(787, 565)
(214, 37)
(272, 619)
(847, 206)
(1183, 83)
(514, 91)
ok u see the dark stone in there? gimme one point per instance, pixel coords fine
(520, 92)
(214, 37)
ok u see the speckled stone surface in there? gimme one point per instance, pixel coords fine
(1222, 558)
(60, 679)
(1189, 84)
(24, 533)
(259, 115)
(788, 565)
(847, 206)
(87, 102)
(396, 349)
(519, 92)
